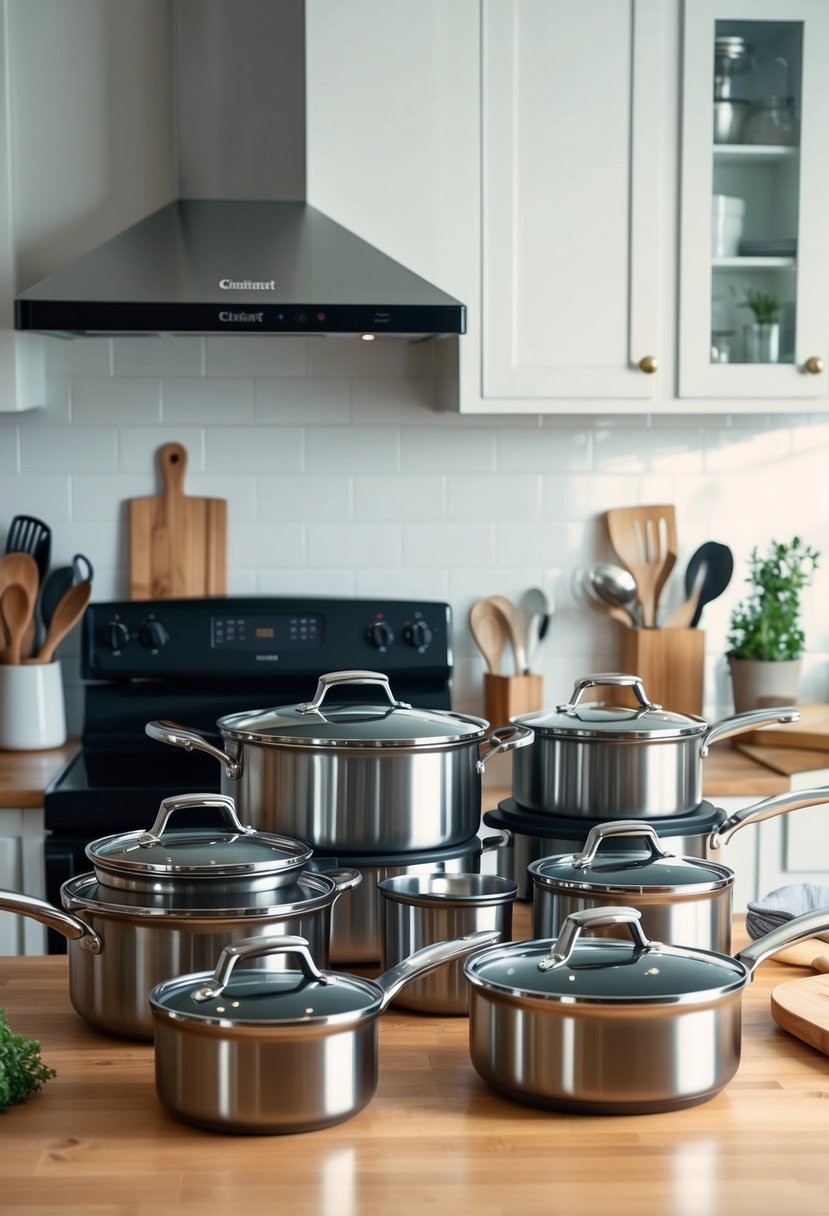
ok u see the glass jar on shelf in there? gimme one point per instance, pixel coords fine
(772, 122)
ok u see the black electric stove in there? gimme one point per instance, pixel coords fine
(193, 661)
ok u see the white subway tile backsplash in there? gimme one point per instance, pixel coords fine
(234, 449)
(159, 355)
(135, 400)
(9, 445)
(401, 496)
(98, 496)
(138, 452)
(69, 449)
(542, 543)
(409, 400)
(500, 496)
(311, 401)
(582, 495)
(746, 451)
(449, 546)
(78, 357)
(357, 546)
(254, 355)
(348, 355)
(218, 402)
(432, 450)
(265, 545)
(45, 495)
(409, 584)
(359, 449)
(303, 581)
(563, 449)
(300, 497)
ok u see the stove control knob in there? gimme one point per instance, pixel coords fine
(116, 636)
(153, 635)
(419, 635)
(380, 635)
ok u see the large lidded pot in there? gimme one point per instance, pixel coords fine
(355, 777)
(613, 762)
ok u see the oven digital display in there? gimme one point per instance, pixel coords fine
(266, 634)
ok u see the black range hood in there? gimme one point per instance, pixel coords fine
(215, 266)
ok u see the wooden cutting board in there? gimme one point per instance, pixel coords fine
(178, 544)
(811, 732)
(802, 1007)
(805, 767)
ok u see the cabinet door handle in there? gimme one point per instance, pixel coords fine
(648, 365)
(814, 365)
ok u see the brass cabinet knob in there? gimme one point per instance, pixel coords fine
(649, 364)
(814, 365)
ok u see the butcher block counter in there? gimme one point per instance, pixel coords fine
(433, 1139)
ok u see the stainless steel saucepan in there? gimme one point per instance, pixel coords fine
(603, 1026)
(262, 1051)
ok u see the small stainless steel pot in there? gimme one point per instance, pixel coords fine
(121, 943)
(608, 761)
(357, 778)
(603, 1026)
(419, 909)
(532, 836)
(264, 1051)
(687, 901)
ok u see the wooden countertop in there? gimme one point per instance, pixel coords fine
(25, 775)
(433, 1138)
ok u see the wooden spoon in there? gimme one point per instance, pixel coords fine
(16, 607)
(19, 567)
(516, 633)
(68, 612)
(489, 629)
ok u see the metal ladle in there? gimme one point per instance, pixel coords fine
(614, 586)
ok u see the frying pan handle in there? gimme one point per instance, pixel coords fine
(505, 739)
(70, 926)
(738, 723)
(349, 677)
(178, 802)
(180, 736)
(593, 918)
(430, 957)
(617, 679)
(779, 804)
(256, 947)
(608, 831)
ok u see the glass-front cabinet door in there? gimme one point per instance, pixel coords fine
(754, 257)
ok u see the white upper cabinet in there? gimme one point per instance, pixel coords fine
(754, 260)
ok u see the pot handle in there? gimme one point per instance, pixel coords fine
(594, 918)
(501, 838)
(181, 736)
(504, 739)
(344, 879)
(430, 957)
(618, 679)
(256, 947)
(334, 678)
(810, 924)
(737, 724)
(179, 801)
(54, 918)
(619, 827)
(779, 804)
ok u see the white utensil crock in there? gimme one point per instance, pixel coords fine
(32, 708)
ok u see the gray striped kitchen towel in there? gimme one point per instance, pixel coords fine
(784, 904)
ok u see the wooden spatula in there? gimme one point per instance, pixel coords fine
(644, 541)
(802, 1006)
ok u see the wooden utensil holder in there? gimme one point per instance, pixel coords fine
(507, 696)
(669, 662)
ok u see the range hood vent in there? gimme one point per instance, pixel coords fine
(236, 262)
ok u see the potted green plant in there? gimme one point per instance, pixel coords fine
(762, 337)
(765, 637)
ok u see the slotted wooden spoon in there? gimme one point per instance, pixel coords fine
(644, 541)
(489, 628)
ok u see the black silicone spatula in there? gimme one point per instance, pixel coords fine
(32, 536)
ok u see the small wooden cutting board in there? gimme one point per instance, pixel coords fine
(178, 544)
(802, 1008)
(811, 731)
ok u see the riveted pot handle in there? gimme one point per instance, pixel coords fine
(616, 679)
(256, 947)
(179, 802)
(334, 678)
(504, 739)
(593, 918)
(737, 724)
(608, 831)
(779, 804)
(54, 918)
(181, 736)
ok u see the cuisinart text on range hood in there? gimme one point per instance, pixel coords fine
(229, 255)
(190, 267)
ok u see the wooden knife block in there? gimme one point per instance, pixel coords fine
(507, 696)
(669, 662)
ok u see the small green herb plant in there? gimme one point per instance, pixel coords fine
(766, 624)
(765, 307)
(22, 1071)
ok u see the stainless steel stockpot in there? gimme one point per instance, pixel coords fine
(356, 777)
(532, 836)
(687, 901)
(265, 1051)
(419, 909)
(121, 943)
(604, 1026)
(613, 762)
(357, 922)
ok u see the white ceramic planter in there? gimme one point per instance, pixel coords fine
(759, 684)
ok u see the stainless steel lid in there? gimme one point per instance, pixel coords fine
(652, 871)
(448, 890)
(391, 723)
(574, 969)
(599, 720)
(173, 861)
